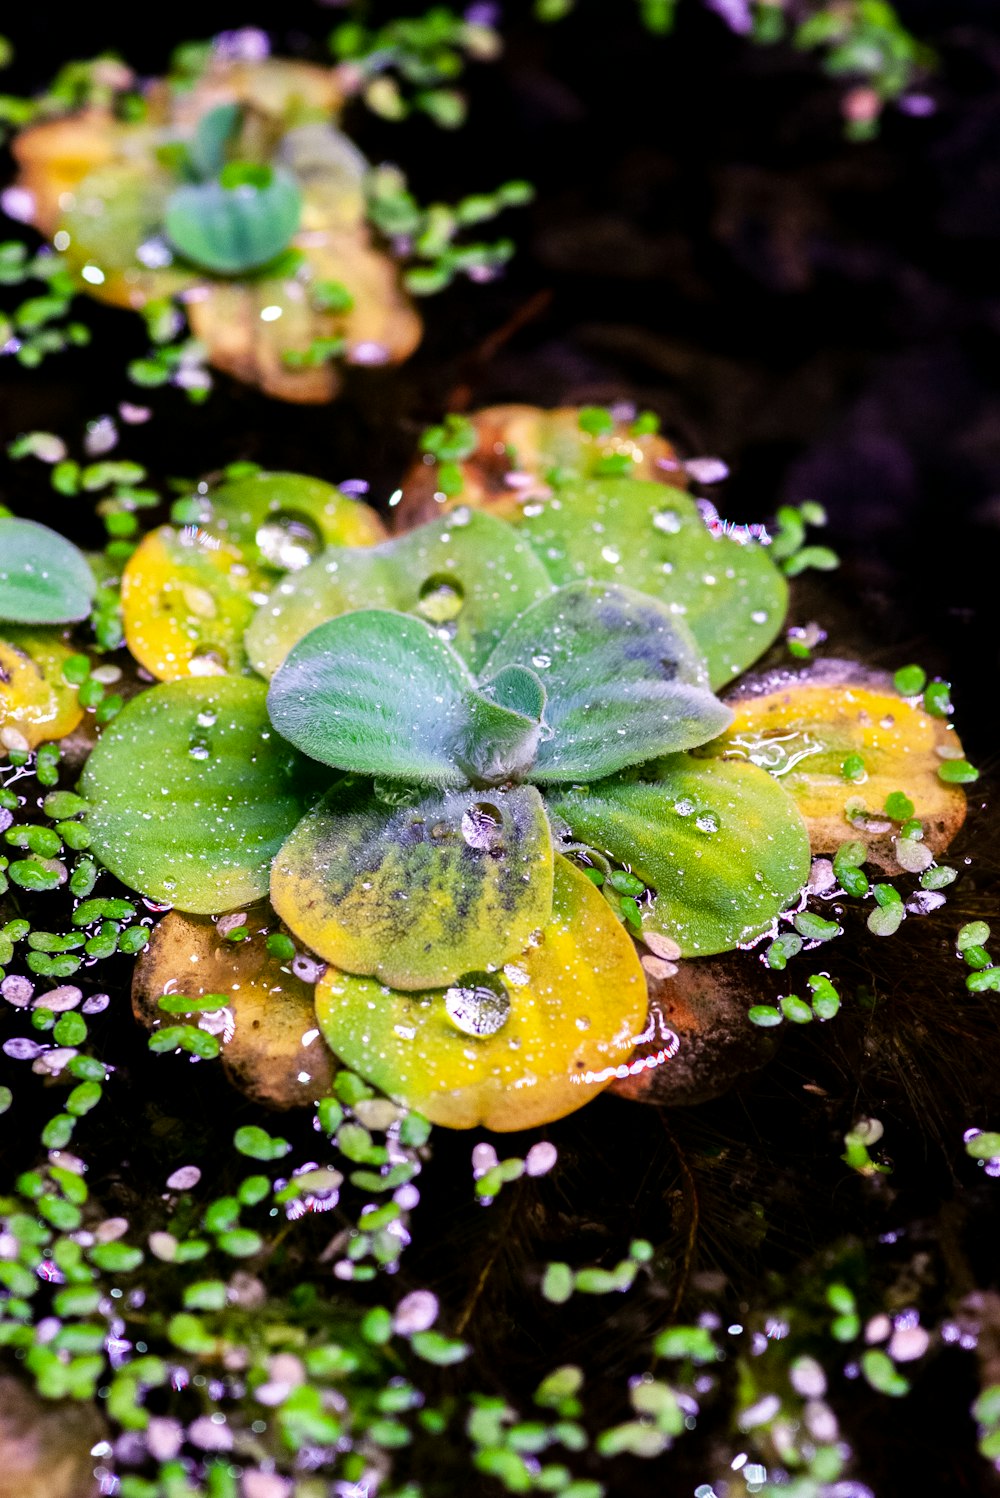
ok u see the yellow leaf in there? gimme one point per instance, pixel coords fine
(508, 1050)
(35, 699)
(803, 728)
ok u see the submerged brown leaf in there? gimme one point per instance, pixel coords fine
(45, 1445)
(271, 1045)
(517, 447)
(697, 1040)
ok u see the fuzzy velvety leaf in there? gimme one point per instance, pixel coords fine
(44, 579)
(375, 692)
(192, 793)
(803, 727)
(724, 852)
(510, 1049)
(267, 1049)
(624, 680)
(469, 575)
(380, 693)
(653, 538)
(422, 892)
(207, 147)
(35, 697)
(234, 228)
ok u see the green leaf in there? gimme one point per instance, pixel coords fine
(44, 579)
(624, 680)
(723, 853)
(234, 228)
(420, 894)
(206, 151)
(288, 518)
(653, 538)
(380, 693)
(191, 793)
(374, 692)
(469, 574)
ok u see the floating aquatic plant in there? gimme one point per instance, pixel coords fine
(230, 191)
(487, 717)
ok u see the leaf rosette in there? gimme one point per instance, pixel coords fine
(418, 795)
(238, 194)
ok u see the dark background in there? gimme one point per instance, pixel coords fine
(825, 317)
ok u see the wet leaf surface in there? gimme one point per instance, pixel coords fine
(512, 1049)
(518, 447)
(722, 845)
(731, 596)
(803, 727)
(44, 579)
(271, 1048)
(35, 698)
(192, 793)
(469, 576)
(417, 895)
(624, 682)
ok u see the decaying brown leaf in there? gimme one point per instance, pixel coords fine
(271, 1045)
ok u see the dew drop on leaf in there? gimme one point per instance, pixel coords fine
(478, 1004)
(441, 599)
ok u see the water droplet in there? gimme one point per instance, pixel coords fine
(684, 806)
(288, 541)
(199, 751)
(759, 616)
(668, 521)
(441, 599)
(610, 555)
(541, 661)
(206, 719)
(478, 1004)
(482, 826)
(706, 821)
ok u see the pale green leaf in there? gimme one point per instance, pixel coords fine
(623, 678)
(382, 694)
(44, 579)
(468, 574)
(653, 538)
(235, 223)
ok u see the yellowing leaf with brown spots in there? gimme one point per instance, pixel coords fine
(507, 1050)
(422, 892)
(271, 1047)
(802, 728)
(36, 701)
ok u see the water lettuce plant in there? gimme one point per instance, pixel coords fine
(234, 193)
(460, 799)
(445, 722)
